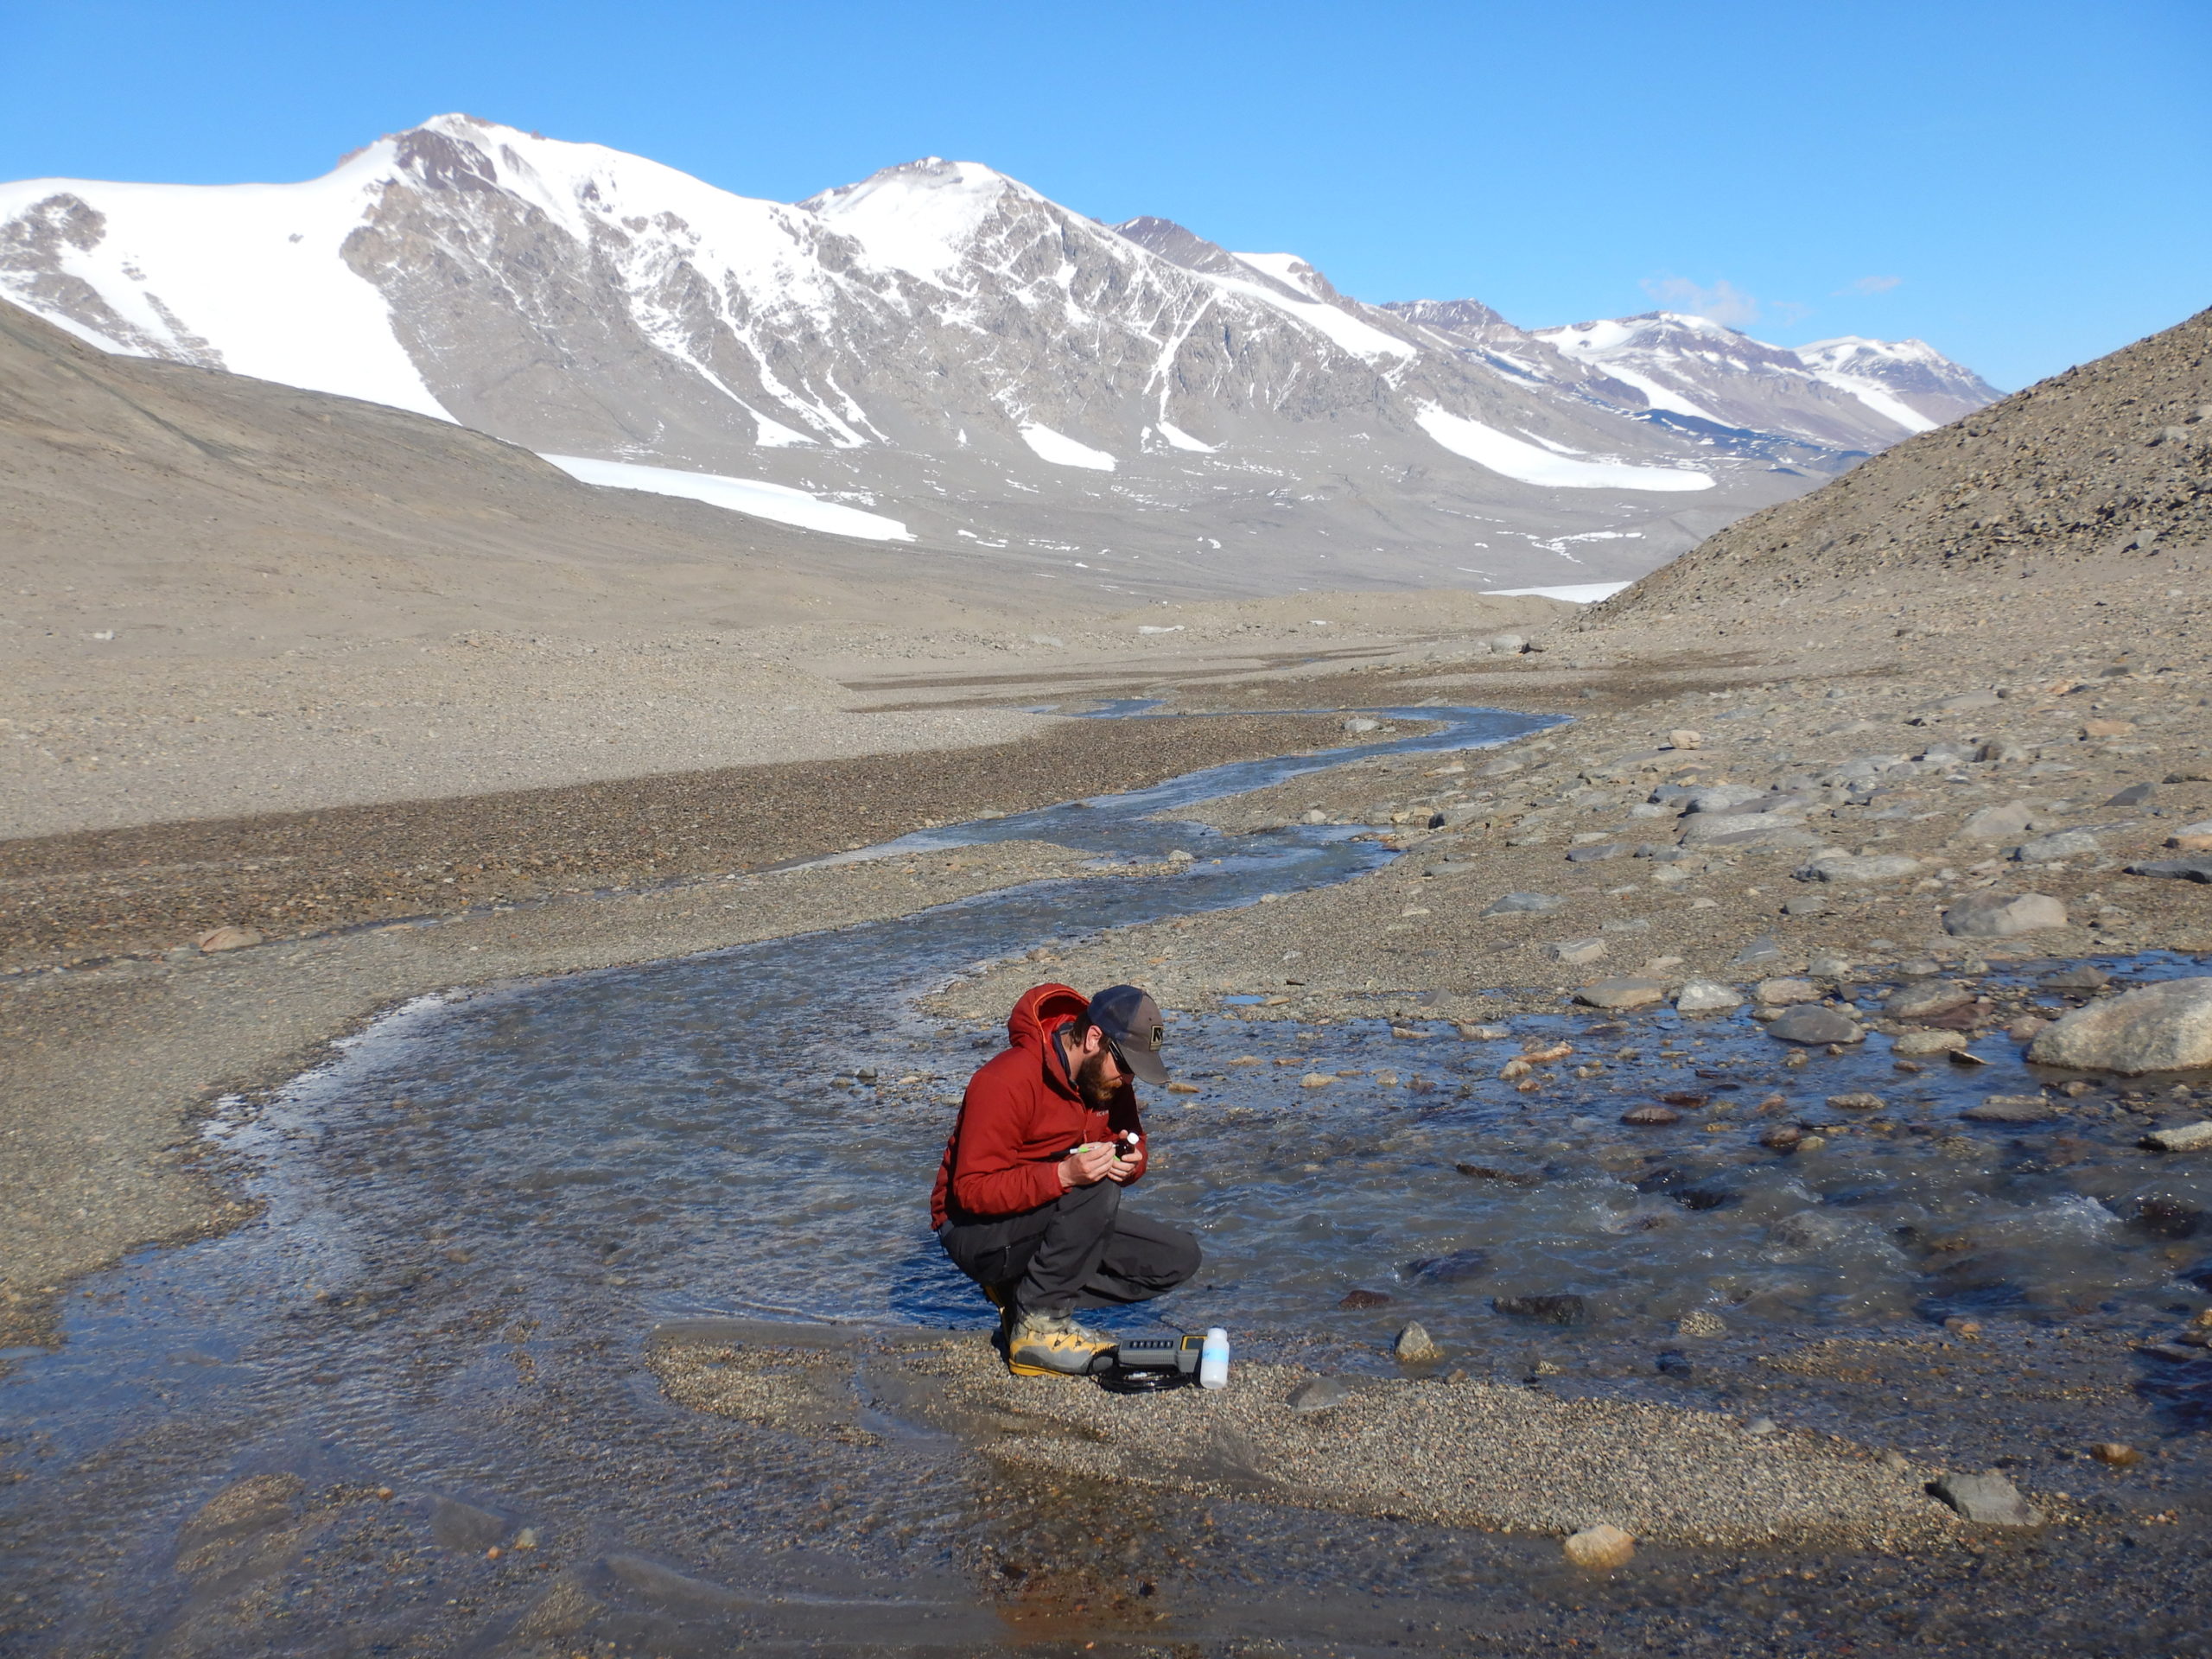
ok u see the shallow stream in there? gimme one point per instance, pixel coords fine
(478, 1213)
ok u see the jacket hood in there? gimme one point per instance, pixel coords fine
(1042, 1009)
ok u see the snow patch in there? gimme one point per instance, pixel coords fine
(1062, 450)
(754, 497)
(1888, 405)
(920, 217)
(1575, 593)
(1181, 440)
(1487, 447)
(1286, 267)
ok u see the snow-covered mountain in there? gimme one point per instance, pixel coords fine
(940, 354)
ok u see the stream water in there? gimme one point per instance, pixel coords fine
(480, 1210)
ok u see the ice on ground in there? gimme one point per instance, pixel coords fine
(1487, 447)
(1062, 450)
(1575, 593)
(756, 498)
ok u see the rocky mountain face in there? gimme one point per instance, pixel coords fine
(938, 355)
(2109, 462)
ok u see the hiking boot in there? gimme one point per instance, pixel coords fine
(1053, 1345)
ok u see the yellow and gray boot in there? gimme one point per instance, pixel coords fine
(1053, 1345)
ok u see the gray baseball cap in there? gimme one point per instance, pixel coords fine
(1130, 1020)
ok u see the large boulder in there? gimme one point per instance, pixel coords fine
(2002, 915)
(2165, 1027)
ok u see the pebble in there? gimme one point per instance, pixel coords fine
(1857, 1102)
(1602, 1547)
(1416, 1347)
(1989, 1499)
(1811, 1024)
(1706, 996)
(1315, 1080)
(2002, 915)
(2163, 1027)
(1651, 1116)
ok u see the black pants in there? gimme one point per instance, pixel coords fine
(1083, 1249)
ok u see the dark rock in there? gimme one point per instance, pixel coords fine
(1674, 1362)
(1782, 1137)
(2010, 1109)
(1651, 1116)
(1706, 1198)
(1364, 1298)
(1989, 1499)
(2162, 1216)
(1814, 1026)
(1492, 1173)
(1447, 1269)
(1552, 1310)
(1684, 1097)
(2175, 869)
(2135, 795)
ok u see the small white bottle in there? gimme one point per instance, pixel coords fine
(1213, 1359)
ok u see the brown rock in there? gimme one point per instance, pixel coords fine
(2117, 1454)
(226, 938)
(2106, 728)
(1364, 1298)
(1651, 1116)
(1599, 1548)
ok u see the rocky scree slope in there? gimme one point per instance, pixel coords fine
(2108, 463)
(1131, 408)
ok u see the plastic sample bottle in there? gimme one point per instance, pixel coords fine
(1213, 1359)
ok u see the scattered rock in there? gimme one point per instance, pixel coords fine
(1602, 1547)
(1989, 1499)
(2135, 795)
(1366, 1299)
(2062, 843)
(1928, 999)
(1813, 1027)
(1706, 997)
(1416, 1347)
(2186, 1137)
(1623, 993)
(1492, 1173)
(1675, 1364)
(1576, 951)
(1515, 904)
(1781, 993)
(1859, 1102)
(226, 938)
(2106, 728)
(1650, 1116)
(1564, 1309)
(2010, 1109)
(1997, 822)
(1361, 724)
(1319, 1393)
(1918, 1044)
(1762, 1427)
(2163, 1027)
(2002, 915)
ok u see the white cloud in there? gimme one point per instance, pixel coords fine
(1722, 303)
(1872, 285)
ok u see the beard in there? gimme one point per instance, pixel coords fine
(1090, 1083)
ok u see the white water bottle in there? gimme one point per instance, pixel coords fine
(1213, 1359)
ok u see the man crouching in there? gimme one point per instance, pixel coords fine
(1028, 1199)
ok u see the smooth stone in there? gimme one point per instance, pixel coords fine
(1811, 1024)
(1651, 1116)
(2163, 1027)
(1857, 1102)
(2002, 915)
(2010, 1109)
(1997, 822)
(1780, 993)
(1989, 1499)
(2175, 869)
(1712, 797)
(1576, 951)
(1602, 1547)
(1918, 1044)
(226, 938)
(1598, 852)
(1318, 1394)
(2135, 795)
(1515, 904)
(1706, 996)
(2086, 977)
(1851, 866)
(1625, 992)
(1758, 950)
(2063, 843)
(1927, 1000)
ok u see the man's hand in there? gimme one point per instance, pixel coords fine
(1087, 1165)
(1125, 1169)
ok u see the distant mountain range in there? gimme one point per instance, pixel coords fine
(939, 354)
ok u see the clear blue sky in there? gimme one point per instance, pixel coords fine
(2024, 184)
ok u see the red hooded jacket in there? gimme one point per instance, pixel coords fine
(1021, 1115)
